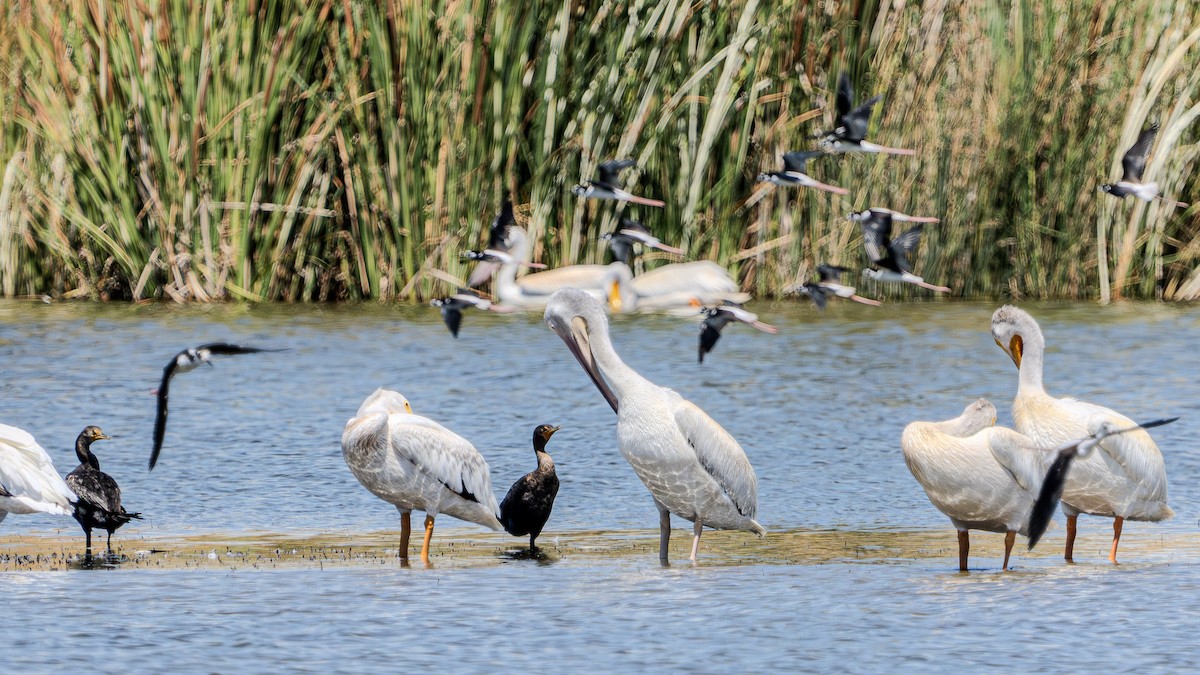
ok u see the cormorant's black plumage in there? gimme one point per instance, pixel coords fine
(526, 507)
(99, 504)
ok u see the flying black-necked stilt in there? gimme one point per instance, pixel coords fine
(607, 185)
(716, 318)
(850, 133)
(830, 284)
(793, 173)
(890, 255)
(452, 307)
(1134, 164)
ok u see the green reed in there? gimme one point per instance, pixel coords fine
(310, 151)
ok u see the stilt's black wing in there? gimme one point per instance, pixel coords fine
(160, 414)
(498, 234)
(621, 247)
(634, 226)
(794, 162)
(710, 332)
(816, 293)
(903, 245)
(1052, 488)
(877, 235)
(845, 95)
(1134, 161)
(830, 272)
(226, 348)
(856, 121)
(610, 170)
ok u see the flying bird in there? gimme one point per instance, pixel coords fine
(691, 466)
(1056, 476)
(1134, 164)
(526, 507)
(452, 307)
(630, 232)
(793, 173)
(416, 464)
(499, 249)
(607, 185)
(1126, 480)
(830, 284)
(99, 504)
(186, 360)
(850, 133)
(887, 254)
(716, 318)
(29, 483)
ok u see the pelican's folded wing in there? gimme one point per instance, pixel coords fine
(719, 454)
(1139, 457)
(1017, 454)
(444, 455)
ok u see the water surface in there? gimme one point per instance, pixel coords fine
(253, 447)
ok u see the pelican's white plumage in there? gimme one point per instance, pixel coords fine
(684, 284)
(29, 483)
(417, 464)
(982, 477)
(1126, 480)
(692, 467)
(534, 290)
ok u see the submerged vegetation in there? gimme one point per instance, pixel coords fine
(345, 149)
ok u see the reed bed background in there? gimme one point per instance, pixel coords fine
(308, 151)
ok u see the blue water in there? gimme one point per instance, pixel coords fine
(253, 445)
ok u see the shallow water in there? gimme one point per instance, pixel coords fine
(253, 446)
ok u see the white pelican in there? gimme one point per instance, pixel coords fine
(683, 284)
(692, 467)
(534, 290)
(1056, 477)
(29, 482)
(671, 286)
(413, 462)
(1125, 480)
(982, 477)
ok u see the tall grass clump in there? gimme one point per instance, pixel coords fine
(346, 149)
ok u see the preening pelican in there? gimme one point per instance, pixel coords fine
(692, 467)
(29, 483)
(982, 477)
(415, 463)
(99, 504)
(1125, 479)
(526, 507)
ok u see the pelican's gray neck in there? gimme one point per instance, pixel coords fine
(544, 461)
